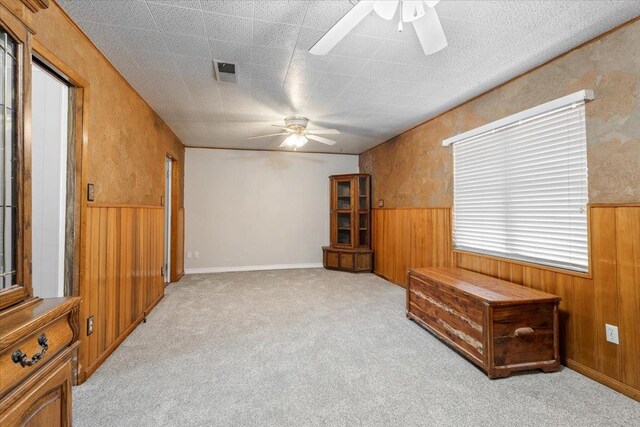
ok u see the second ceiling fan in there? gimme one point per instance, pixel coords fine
(420, 13)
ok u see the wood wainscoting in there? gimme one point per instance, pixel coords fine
(421, 237)
(121, 278)
(409, 238)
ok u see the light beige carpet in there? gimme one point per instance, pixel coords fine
(316, 347)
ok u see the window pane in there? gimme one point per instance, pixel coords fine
(8, 184)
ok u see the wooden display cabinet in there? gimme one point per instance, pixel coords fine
(350, 224)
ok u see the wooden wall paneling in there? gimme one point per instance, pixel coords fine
(564, 289)
(91, 286)
(584, 322)
(628, 273)
(405, 238)
(101, 314)
(123, 264)
(605, 282)
(125, 316)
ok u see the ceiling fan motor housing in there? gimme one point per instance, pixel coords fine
(296, 123)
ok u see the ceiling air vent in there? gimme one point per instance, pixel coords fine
(224, 71)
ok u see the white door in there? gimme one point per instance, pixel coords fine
(50, 104)
(167, 220)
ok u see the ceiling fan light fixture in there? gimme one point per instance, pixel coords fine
(295, 140)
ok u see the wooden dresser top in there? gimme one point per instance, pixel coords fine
(23, 319)
(489, 289)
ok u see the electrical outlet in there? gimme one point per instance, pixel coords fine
(612, 333)
(381, 203)
(189, 255)
(196, 254)
(89, 325)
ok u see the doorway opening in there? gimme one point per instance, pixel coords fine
(51, 181)
(168, 178)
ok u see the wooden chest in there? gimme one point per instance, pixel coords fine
(498, 325)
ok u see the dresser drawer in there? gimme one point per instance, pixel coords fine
(59, 336)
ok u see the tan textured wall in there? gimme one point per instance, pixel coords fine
(127, 139)
(415, 170)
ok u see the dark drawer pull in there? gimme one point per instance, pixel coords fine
(19, 357)
(523, 331)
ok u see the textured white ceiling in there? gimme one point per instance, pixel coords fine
(375, 84)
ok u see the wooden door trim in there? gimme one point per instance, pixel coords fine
(80, 87)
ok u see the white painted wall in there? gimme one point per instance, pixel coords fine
(254, 210)
(50, 100)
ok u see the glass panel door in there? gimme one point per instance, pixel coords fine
(344, 205)
(344, 228)
(363, 199)
(344, 195)
(363, 229)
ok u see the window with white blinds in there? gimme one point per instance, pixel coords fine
(520, 190)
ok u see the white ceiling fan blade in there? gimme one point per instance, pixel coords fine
(342, 28)
(284, 144)
(321, 139)
(267, 136)
(412, 10)
(385, 8)
(430, 32)
(323, 131)
(431, 3)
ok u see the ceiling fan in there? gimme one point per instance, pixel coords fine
(421, 14)
(296, 128)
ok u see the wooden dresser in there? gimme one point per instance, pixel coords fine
(37, 340)
(498, 325)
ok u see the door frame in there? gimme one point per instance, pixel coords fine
(78, 106)
(174, 274)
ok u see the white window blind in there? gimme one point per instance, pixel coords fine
(520, 191)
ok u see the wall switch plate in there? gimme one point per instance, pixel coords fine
(189, 255)
(612, 334)
(196, 255)
(89, 325)
(381, 203)
(91, 196)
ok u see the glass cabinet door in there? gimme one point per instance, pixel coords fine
(363, 229)
(343, 204)
(363, 211)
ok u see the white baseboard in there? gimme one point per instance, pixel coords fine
(250, 268)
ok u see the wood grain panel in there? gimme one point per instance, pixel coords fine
(122, 277)
(404, 238)
(408, 238)
(628, 273)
